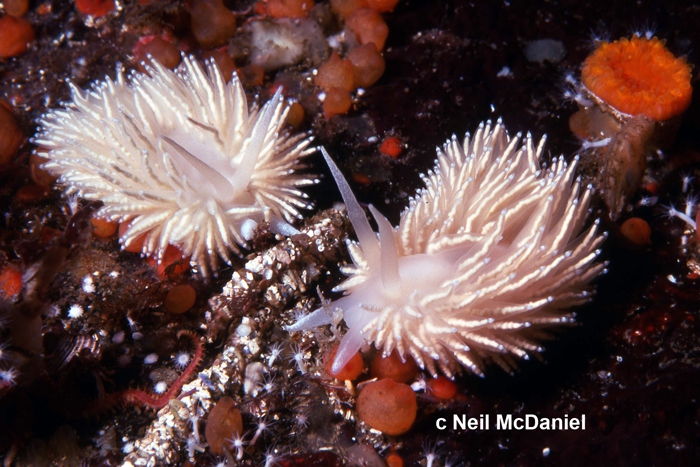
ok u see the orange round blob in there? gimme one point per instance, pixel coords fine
(382, 6)
(180, 299)
(442, 387)
(361, 178)
(159, 49)
(10, 282)
(15, 35)
(345, 7)
(392, 367)
(251, 75)
(173, 263)
(639, 76)
(368, 26)
(387, 406)
(636, 231)
(102, 227)
(391, 147)
(350, 371)
(295, 116)
(212, 23)
(259, 8)
(95, 8)
(136, 245)
(224, 61)
(289, 8)
(223, 423)
(394, 460)
(337, 102)
(39, 175)
(16, 7)
(336, 73)
(652, 187)
(368, 65)
(11, 135)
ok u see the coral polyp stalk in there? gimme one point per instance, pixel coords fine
(488, 256)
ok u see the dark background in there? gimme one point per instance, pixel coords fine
(632, 366)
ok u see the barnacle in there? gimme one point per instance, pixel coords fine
(486, 258)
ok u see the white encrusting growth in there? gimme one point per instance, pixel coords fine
(684, 216)
(490, 254)
(88, 285)
(179, 156)
(8, 377)
(75, 311)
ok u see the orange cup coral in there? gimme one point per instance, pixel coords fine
(639, 76)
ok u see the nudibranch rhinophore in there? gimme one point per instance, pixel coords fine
(492, 253)
(179, 155)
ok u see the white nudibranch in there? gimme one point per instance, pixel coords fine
(179, 156)
(488, 256)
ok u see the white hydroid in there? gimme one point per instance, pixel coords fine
(179, 155)
(488, 256)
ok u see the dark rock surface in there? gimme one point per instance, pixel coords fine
(632, 367)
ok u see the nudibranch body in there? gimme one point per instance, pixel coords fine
(179, 156)
(488, 256)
